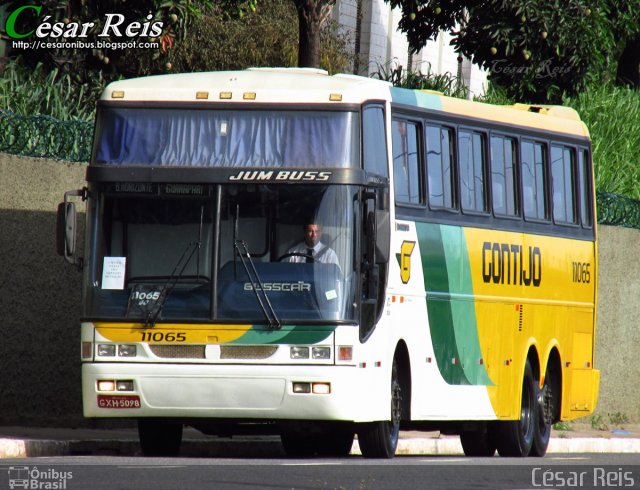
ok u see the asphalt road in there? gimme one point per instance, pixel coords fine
(414, 473)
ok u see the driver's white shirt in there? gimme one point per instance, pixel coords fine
(328, 255)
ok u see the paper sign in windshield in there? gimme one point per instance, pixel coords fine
(113, 272)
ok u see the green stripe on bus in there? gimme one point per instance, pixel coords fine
(415, 98)
(436, 283)
(463, 307)
(290, 334)
(454, 332)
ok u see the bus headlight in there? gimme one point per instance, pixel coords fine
(299, 352)
(321, 352)
(127, 350)
(107, 350)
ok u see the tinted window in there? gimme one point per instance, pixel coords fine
(585, 188)
(503, 175)
(374, 141)
(439, 166)
(472, 169)
(534, 180)
(563, 184)
(406, 168)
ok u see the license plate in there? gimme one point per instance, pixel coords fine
(118, 401)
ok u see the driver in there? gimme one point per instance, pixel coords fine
(311, 249)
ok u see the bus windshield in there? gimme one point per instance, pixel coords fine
(177, 240)
(227, 138)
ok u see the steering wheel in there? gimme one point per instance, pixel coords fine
(294, 254)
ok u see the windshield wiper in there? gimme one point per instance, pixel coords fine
(154, 312)
(258, 288)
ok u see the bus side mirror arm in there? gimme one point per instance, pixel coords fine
(66, 225)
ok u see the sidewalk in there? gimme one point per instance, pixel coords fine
(22, 442)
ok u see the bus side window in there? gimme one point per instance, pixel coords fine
(440, 166)
(472, 170)
(534, 180)
(584, 171)
(563, 183)
(406, 168)
(503, 176)
(374, 150)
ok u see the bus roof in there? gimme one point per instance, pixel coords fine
(267, 85)
(310, 85)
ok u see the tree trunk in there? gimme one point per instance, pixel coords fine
(312, 14)
(629, 64)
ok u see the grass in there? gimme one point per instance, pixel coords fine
(612, 115)
(35, 91)
(564, 426)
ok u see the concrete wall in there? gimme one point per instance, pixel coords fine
(39, 296)
(618, 323)
(40, 304)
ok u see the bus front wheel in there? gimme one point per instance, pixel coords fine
(159, 437)
(380, 439)
(515, 437)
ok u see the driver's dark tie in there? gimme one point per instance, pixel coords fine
(309, 255)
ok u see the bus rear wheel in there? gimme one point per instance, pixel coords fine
(159, 437)
(545, 400)
(380, 439)
(515, 437)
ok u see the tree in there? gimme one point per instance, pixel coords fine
(535, 50)
(312, 15)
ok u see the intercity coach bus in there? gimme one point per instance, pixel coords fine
(461, 297)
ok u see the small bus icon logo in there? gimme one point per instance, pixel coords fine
(18, 477)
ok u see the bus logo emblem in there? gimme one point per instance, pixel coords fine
(404, 260)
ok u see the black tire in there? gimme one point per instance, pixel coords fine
(515, 437)
(380, 439)
(159, 437)
(546, 399)
(331, 445)
(479, 443)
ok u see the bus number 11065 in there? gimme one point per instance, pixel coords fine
(581, 272)
(163, 336)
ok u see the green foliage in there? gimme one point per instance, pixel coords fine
(597, 423)
(266, 37)
(618, 419)
(446, 83)
(612, 115)
(539, 51)
(36, 90)
(563, 426)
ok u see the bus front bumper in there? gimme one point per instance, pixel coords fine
(263, 392)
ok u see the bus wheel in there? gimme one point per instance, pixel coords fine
(542, 432)
(159, 437)
(515, 437)
(479, 442)
(380, 439)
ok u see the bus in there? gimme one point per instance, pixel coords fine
(460, 295)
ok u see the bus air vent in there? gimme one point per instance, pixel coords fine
(178, 351)
(247, 351)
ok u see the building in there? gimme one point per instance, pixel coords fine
(377, 39)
